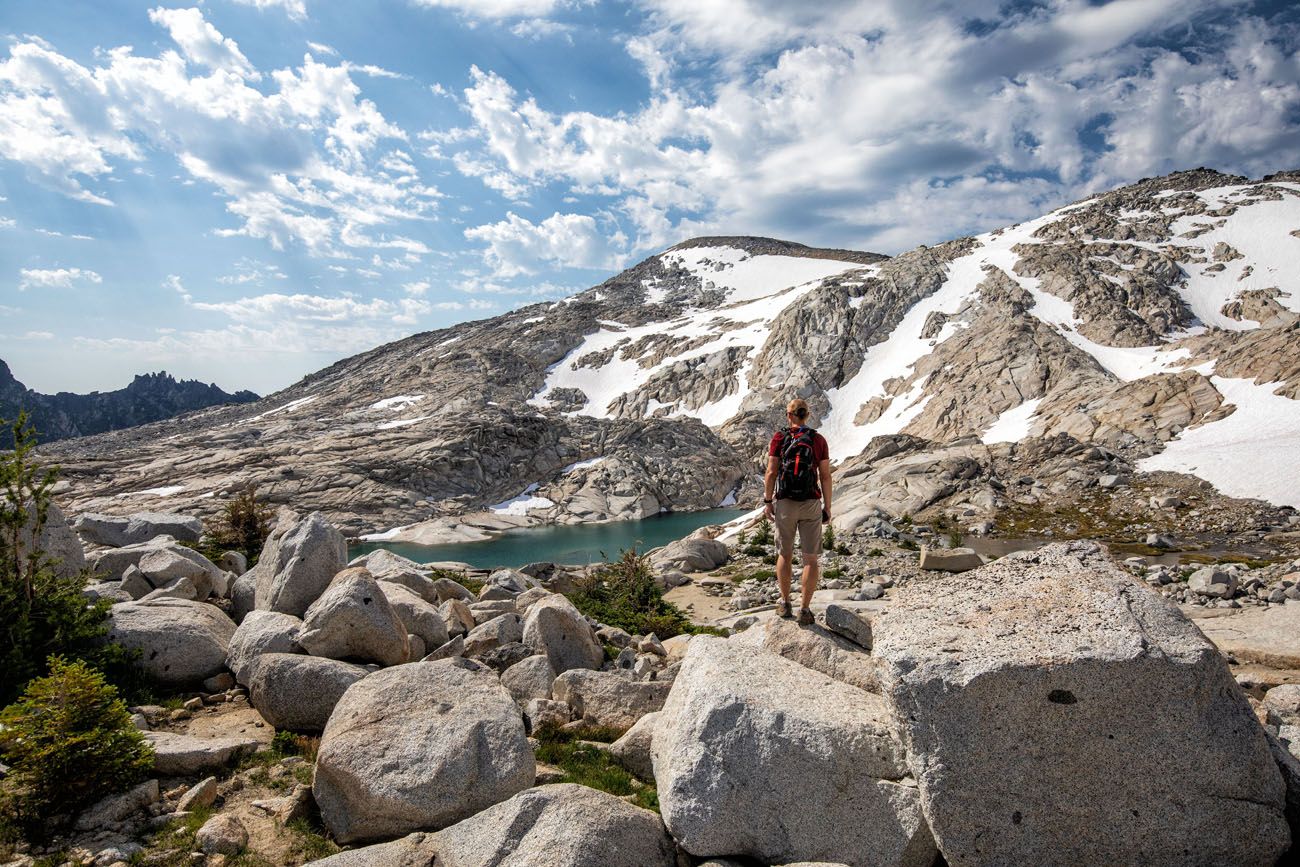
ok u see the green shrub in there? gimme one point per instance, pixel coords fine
(763, 533)
(42, 613)
(908, 545)
(832, 573)
(828, 538)
(70, 740)
(954, 538)
(243, 525)
(875, 552)
(623, 593)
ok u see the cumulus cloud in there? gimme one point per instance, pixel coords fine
(202, 43)
(55, 278)
(879, 125)
(517, 246)
(296, 9)
(308, 163)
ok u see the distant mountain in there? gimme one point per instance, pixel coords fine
(1152, 330)
(151, 397)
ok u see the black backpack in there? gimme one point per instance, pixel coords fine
(798, 478)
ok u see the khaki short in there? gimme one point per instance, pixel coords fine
(804, 517)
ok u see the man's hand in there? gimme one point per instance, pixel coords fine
(769, 512)
(826, 516)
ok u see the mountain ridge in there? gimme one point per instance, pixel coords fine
(1102, 322)
(148, 397)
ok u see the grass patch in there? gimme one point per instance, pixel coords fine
(591, 766)
(908, 545)
(310, 842)
(832, 573)
(875, 552)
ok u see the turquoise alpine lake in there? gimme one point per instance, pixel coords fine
(559, 543)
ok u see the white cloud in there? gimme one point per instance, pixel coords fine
(57, 278)
(202, 43)
(518, 246)
(883, 124)
(416, 288)
(542, 28)
(300, 164)
(173, 282)
(55, 234)
(37, 335)
(499, 8)
(296, 9)
(322, 48)
(9, 223)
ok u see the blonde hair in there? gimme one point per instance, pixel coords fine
(799, 407)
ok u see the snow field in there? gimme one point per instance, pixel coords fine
(1251, 453)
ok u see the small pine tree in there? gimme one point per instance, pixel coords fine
(828, 538)
(244, 524)
(42, 613)
(69, 741)
(763, 532)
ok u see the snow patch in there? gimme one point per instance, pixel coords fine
(1013, 425)
(521, 504)
(1255, 452)
(397, 402)
(288, 407)
(382, 537)
(582, 465)
(166, 491)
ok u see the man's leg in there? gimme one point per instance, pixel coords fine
(785, 529)
(783, 576)
(808, 582)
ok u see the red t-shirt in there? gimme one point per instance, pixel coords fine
(821, 450)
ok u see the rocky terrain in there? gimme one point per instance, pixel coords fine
(1137, 343)
(1053, 706)
(151, 397)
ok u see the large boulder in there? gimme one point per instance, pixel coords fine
(565, 824)
(759, 756)
(353, 620)
(56, 540)
(1049, 692)
(164, 565)
(529, 679)
(297, 564)
(418, 616)
(607, 698)
(816, 648)
(690, 555)
(297, 692)
(178, 755)
(419, 746)
(387, 566)
(180, 642)
(258, 633)
(117, 531)
(632, 750)
(554, 627)
(500, 630)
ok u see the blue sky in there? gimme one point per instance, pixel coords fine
(243, 191)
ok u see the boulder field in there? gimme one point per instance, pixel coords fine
(1046, 708)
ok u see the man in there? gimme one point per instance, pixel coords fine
(797, 499)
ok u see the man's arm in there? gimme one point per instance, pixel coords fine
(824, 471)
(769, 484)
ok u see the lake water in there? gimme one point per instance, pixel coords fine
(561, 543)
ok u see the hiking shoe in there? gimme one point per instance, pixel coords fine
(805, 617)
(784, 610)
